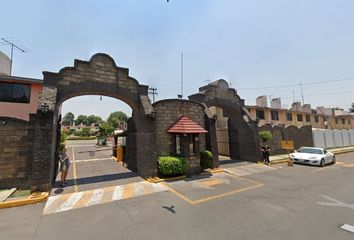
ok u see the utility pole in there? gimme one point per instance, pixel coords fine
(182, 75)
(153, 92)
(12, 50)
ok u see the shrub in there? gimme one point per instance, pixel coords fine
(206, 158)
(265, 135)
(63, 137)
(171, 166)
(81, 138)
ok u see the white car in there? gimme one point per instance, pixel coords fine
(313, 156)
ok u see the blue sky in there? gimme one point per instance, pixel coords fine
(251, 44)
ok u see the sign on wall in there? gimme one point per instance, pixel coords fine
(287, 144)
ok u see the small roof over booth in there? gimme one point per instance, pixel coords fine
(187, 126)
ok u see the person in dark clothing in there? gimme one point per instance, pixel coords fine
(265, 149)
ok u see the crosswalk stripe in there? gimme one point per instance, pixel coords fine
(72, 200)
(84, 199)
(55, 202)
(95, 197)
(118, 193)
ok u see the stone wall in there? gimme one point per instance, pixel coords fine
(301, 137)
(16, 138)
(168, 112)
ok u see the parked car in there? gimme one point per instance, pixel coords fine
(313, 156)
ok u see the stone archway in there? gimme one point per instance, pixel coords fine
(98, 76)
(243, 140)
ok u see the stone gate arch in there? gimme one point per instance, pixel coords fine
(98, 76)
(243, 140)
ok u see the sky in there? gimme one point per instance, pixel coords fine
(260, 47)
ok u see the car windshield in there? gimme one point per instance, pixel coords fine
(310, 150)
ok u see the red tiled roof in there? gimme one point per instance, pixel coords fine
(186, 125)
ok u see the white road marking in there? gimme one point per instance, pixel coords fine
(118, 193)
(68, 204)
(335, 203)
(138, 189)
(96, 197)
(348, 228)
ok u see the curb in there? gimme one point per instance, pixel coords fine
(36, 197)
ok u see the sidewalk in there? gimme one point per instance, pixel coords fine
(284, 157)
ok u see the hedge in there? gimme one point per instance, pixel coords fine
(206, 158)
(171, 166)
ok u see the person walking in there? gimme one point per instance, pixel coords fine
(265, 152)
(64, 165)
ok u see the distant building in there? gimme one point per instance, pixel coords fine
(19, 97)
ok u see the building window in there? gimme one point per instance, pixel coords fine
(308, 118)
(289, 116)
(274, 115)
(178, 144)
(316, 119)
(15, 92)
(349, 122)
(336, 120)
(343, 121)
(299, 117)
(260, 114)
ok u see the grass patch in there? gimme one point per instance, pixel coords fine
(21, 193)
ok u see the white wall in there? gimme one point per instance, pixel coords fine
(332, 138)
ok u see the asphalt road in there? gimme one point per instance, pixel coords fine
(249, 201)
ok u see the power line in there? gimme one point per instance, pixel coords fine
(153, 92)
(299, 84)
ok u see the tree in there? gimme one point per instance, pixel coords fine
(92, 119)
(265, 135)
(115, 118)
(352, 108)
(81, 119)
(68, 119)
(104, 131)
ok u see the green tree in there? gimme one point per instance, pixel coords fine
(68, 119)
(265, 135)
(85, 132)
(92, 119)
(81, 119)
(352, 108)
(104, 131)
(115, 118)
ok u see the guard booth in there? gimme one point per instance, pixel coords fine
(119, 144)
(186, 134)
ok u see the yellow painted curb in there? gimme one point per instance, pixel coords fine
(215, 170)
(279, 161)
(33, 198)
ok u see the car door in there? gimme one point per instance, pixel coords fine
(327, 156)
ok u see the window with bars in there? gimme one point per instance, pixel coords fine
(308, 118)
(299, 117)
(289, 116)
(260, 114)
(316, 119)
(15, 92)
(274, 115)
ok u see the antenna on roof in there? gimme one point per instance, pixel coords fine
(12, 50)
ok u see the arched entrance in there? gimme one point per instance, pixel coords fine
(242, 129)
(98, 76)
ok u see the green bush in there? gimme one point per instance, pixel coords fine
(265, 135)
(63, 137)
(206, 158)
(171, 166)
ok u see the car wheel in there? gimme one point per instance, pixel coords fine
(322, 164)
(334, 160)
